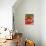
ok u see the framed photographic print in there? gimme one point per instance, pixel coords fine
(29, 19)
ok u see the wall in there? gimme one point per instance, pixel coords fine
(6, 13)
(43, 22)
(29, 31)
(6, 16)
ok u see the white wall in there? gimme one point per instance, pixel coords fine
(29, 31)
(6, 13)
(6, 16)
(43, 22)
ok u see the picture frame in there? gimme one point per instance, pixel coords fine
(29, 19)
